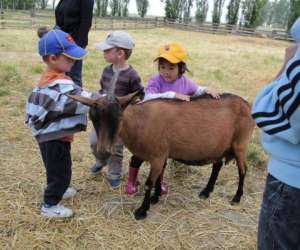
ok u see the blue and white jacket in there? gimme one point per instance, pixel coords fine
(276, 111)
(52, 115)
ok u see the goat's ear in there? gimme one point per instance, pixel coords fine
(84, 100)
(131, 98)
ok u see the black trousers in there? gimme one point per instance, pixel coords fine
(57, 160)
(135, 162)
(76, 73)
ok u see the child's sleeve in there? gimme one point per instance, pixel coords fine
(276, 108)
(49, 104)
(136, 83)
(68, 106)
(194, 89)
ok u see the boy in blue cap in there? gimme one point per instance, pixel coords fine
(54, 118)
(276, 111)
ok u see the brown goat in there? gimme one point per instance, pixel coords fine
(198, 132)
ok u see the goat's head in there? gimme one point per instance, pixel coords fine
(106, 116)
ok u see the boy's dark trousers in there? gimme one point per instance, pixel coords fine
(57, 160)
(279, 222)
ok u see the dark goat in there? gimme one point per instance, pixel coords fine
(198, 132)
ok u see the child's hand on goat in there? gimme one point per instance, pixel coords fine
(213, 94)
(182, 97)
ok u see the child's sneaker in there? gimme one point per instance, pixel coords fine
(56, 211)
(96, 168)
(115, 183)
(70, 193)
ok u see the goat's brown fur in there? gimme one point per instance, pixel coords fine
(198, 132)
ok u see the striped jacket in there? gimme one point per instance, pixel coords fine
(52, 115)
(276, 111)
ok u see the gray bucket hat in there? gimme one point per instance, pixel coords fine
(120, 39)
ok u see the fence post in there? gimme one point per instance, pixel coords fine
(33, 20)
(95, 22)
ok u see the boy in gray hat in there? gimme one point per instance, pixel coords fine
(117, 49)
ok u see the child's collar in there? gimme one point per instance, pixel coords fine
(49, 76)
(122, 68)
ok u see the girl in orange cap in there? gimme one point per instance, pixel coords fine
(169, 83)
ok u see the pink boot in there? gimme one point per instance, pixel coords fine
(164, 185)
(132, 183)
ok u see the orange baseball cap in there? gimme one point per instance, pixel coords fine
(173, 52)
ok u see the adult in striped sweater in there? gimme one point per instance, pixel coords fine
(54, 118)
(277, 113)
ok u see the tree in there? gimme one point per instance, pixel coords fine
(142, 7)
(233, 11)
(114, 7)
(123, 8)
(172, 8)
(101, 7)
(53, 4)
(178, 9)
(42, 4)
(201, 10)
(267, 12)
(281, 13)
(119, 7)
(251, 12)
(217, 11)
(187, 5)
(294, 12)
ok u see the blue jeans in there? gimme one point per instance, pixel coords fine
(76, 73)
(279, 221)
(114, 160)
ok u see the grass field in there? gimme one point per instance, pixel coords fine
(104, 218)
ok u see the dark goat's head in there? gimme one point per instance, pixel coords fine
(106, 116)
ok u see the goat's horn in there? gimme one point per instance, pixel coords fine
(84, 100)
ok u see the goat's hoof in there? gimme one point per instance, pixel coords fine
(140, 214)
(236, 200)
(154, 199)
(204, 194)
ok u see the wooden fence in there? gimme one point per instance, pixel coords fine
(26, 20)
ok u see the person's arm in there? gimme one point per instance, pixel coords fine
(72, 107)
(54, 105)
(86, 16)
(168, 95)
(136, 82)
(276, 109)
(200, 91)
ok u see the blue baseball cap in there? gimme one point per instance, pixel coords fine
(59, 42)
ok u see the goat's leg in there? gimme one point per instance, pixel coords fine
(156, 168)
(212, 180)
(157, 191)
(141, 212)
(242, 167)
